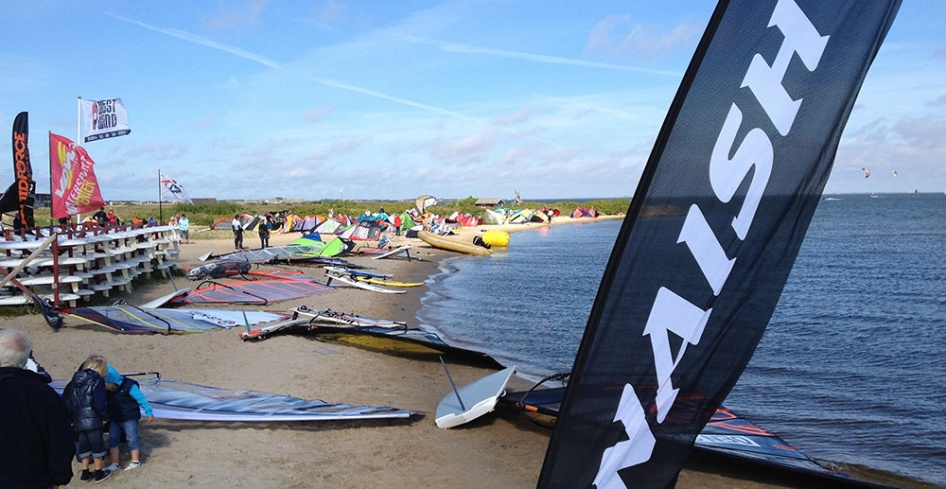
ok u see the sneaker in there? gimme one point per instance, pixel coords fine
(133, 465)
(86, 476)
(113, 468)
(101, 475)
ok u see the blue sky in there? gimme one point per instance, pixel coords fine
(255, 99)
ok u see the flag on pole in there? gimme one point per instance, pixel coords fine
(171, 191)
(741, 160)
(102, 119)
(74, 187)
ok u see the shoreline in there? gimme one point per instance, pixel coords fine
(505, 449)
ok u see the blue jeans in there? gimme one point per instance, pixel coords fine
(90, 444)
(129, 428)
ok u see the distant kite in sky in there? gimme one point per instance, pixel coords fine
(866, 172)
(895, 173)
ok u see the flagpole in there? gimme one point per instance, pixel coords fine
(52, 219)
(78, 142)
(79, 121)
(160, 210)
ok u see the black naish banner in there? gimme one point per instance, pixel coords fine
(712, 233)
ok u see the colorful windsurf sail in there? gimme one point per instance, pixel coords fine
(743, 155)
(726, 434)
(174, 399)
(126, 318)
(280, 285)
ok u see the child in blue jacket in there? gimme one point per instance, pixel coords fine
(125, 403)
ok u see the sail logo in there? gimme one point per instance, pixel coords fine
(671, 313)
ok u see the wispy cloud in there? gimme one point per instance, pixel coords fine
(532, 57)
(195, 39)
(238, 15)
(619, 38)
(317, 113)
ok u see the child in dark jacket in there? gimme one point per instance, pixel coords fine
(85, 400)
(125, 403)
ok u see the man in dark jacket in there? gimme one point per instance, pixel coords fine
(37, 448)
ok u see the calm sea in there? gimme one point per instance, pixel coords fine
(851, 370)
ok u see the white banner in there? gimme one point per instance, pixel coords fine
(171, 191)
(102, 119)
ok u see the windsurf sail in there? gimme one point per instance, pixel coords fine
(378, 335)
(726, 434)
(126, 318)
(743, 156)
(219, 269)
(280, 285)
(174, 399)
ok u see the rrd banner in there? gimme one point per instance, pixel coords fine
(74, 187)
(102, 119)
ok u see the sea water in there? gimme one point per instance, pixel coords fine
(852, 368)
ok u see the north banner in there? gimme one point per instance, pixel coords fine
(171, 191)
(712, 233)
(75, 189)
(102, 119)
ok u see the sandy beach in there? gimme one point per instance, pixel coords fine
(505, 449)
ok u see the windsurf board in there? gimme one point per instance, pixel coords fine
(472, 400)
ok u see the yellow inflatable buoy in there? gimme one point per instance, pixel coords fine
(498, 239)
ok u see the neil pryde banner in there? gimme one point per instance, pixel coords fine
(102, 119)
(713, 231)
(74, 187)
(25, 186)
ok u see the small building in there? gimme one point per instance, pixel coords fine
(489, 203)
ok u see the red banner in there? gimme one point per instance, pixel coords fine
(74, 187)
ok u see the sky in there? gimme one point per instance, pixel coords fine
(335, 99)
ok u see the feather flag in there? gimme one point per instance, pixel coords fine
(171, 191)
(743, 158)
(75, 189)
(102, 119)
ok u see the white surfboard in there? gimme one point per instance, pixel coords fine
(478, 398)
(402, 249)
(361, 285)
(160, 301)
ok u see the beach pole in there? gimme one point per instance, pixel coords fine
(160, 210)
(79, 143)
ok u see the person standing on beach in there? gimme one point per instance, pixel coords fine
(125, 403)
(37, 447)
(86, 402)
(397, 224)
(263, 234)
(184, 225)
(237, 228)
(101, 217)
